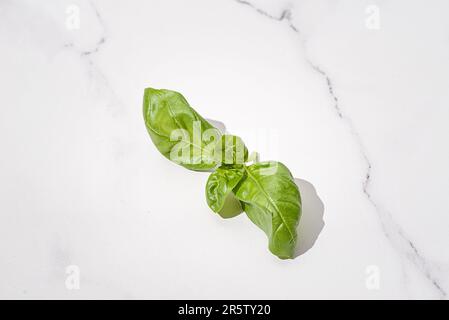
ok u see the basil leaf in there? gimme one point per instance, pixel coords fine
(265, 191)
(272, 201)
(219, 195)
(178, 131)
(231, 150)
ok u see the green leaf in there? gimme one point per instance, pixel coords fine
(178, 131)
(231, 150)
(219, 195)
(265, 191)
(272, 201)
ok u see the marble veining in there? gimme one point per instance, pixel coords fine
(80, 176)
(402, 244)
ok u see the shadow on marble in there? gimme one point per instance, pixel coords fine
(311, 223)
(217, 124)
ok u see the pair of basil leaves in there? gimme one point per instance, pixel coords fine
(266, 191)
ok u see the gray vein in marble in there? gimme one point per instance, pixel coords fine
(285, 14)
(102, 39)
(390, 228)
(97, 47)
(88, 54)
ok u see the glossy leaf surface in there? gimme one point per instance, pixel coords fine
(178, 131)
(219, 195)
(272, 201)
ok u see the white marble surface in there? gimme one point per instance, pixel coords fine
(359, 106)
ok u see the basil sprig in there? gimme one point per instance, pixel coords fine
(266, 191)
